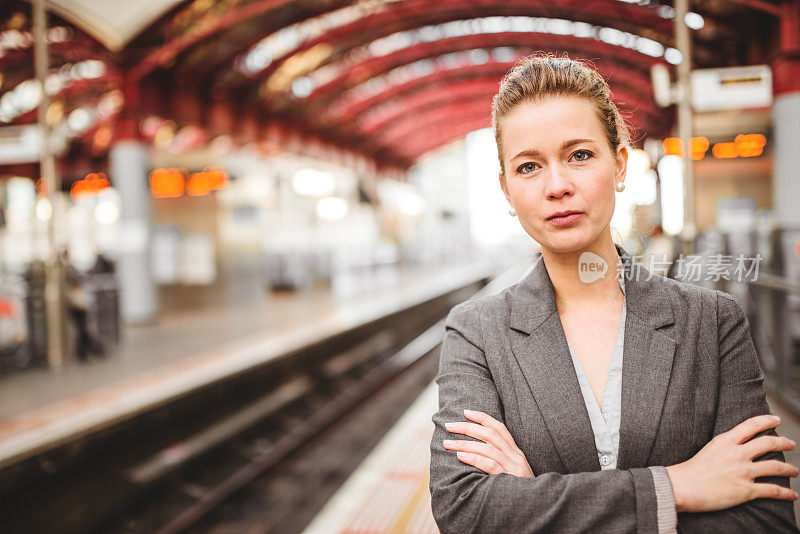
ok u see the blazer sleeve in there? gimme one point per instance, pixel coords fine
(466, 499)
(741, 396)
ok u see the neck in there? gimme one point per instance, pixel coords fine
(565, 275)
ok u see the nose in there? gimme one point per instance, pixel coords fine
(557, 182)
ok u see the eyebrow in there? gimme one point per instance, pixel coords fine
(565, 145)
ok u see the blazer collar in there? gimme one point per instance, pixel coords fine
(544, 358)
(533, 299)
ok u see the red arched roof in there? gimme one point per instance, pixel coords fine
(197, 50)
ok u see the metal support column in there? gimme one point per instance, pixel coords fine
(683, 43)
(53, 290)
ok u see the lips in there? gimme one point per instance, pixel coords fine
(563, 214)
(565, 219)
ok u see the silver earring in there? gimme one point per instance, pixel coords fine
(512, 212)
(620, 187)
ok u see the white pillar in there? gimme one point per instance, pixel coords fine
(786, 184)
(138, 293)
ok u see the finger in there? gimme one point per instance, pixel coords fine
(773, 468)
(487, 420)
(763, 444)
(477, 431)
(487, 465)
(752, 426)
(772, 491)
(477, 447)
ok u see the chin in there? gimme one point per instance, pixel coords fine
(563, 241)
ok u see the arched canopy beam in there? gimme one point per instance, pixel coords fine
(348, 109)
(617, 64)
(631, 19)
(417, 121)
(405, 106)
(438, 135)
(416, 118)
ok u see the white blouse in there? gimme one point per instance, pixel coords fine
(605, 425)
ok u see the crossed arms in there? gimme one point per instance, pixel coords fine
(466, 499)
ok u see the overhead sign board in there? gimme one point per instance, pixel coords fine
(732, 88)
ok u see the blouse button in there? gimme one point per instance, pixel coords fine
(605, 460)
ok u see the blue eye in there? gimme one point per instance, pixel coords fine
(585, 153)
(526, 166)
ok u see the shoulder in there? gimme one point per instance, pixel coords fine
(692, 291)
(476, 312)
(730, 314)
(691, 299)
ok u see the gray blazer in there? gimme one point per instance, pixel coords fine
(690, 372)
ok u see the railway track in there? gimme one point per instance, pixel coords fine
(276, 478)
(272, 444)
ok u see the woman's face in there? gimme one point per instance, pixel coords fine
(557, 159)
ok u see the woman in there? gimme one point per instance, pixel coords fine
(541, 428)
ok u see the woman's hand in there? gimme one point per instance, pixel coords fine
(497, 454)
(721, 474)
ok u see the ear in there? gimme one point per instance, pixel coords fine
(504, 187)
(622, 163)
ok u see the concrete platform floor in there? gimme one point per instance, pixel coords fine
(184, 331)
(192, 348)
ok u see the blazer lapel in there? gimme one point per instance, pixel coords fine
(543, 356)
(647, 363)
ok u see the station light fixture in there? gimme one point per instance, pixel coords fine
(743, 146)
(167, 183)
(89, 186)
(173, 183)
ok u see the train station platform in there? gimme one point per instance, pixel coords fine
(189, 349)
(389, 491)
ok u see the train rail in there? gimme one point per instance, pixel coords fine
(173, 468)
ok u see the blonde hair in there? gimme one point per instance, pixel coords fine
(544, 74)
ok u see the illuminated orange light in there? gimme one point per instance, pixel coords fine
(7, 308)
(89, 186)
(171, 183)
(698, 146)
(203, 182)
(196, 186)
(724, 150)
(167, 183)
(102, 138)
(750, 145)
(673, 146)
(42, 186)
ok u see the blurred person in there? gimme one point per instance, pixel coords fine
(102, 265)
(540, 426)
(659, 253)
(78, 302)
(78, 306)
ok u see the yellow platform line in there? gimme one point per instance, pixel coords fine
(420, 491)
